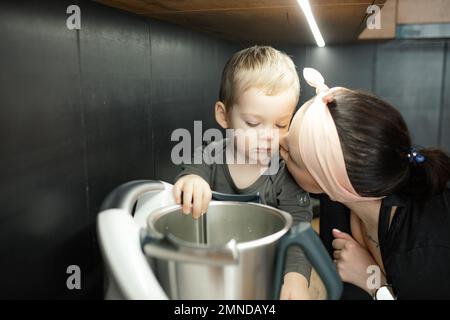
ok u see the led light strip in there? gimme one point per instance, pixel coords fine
(306, 7)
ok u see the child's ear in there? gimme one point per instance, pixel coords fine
(221, 115)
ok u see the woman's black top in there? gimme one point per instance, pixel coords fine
(415, 248)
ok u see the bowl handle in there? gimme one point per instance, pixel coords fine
(126, 195)
(248, 197)
(303, 235)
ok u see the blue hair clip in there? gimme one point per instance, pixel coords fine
(415, 156)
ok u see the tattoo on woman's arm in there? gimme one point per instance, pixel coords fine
(372, 239)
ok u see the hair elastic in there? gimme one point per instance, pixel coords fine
(415, 156)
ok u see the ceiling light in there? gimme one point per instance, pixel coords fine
(306, 7)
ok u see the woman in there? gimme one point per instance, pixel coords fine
(394, 240)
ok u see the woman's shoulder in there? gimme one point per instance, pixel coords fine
(421, 222)
(430, 206)
(435, 207)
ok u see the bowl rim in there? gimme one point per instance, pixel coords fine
(259, 242)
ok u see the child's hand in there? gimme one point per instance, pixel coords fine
(295, 287)
(196, 194)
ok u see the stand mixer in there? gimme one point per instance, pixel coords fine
(236, 251)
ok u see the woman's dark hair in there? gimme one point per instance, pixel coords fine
(376, 142)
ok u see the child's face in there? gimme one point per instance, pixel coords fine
(266, 118)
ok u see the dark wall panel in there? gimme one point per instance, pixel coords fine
(115, 84)
(186, 70)
(445, 118)
(82, 112)
(409, 75)
(346, 66)
(42, 190)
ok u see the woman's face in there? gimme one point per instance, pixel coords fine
(291, 154)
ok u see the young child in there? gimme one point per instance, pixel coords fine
(259, 93)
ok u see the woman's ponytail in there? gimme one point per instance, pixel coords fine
(430, 175)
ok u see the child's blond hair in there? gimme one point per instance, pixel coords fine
(260, 67)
